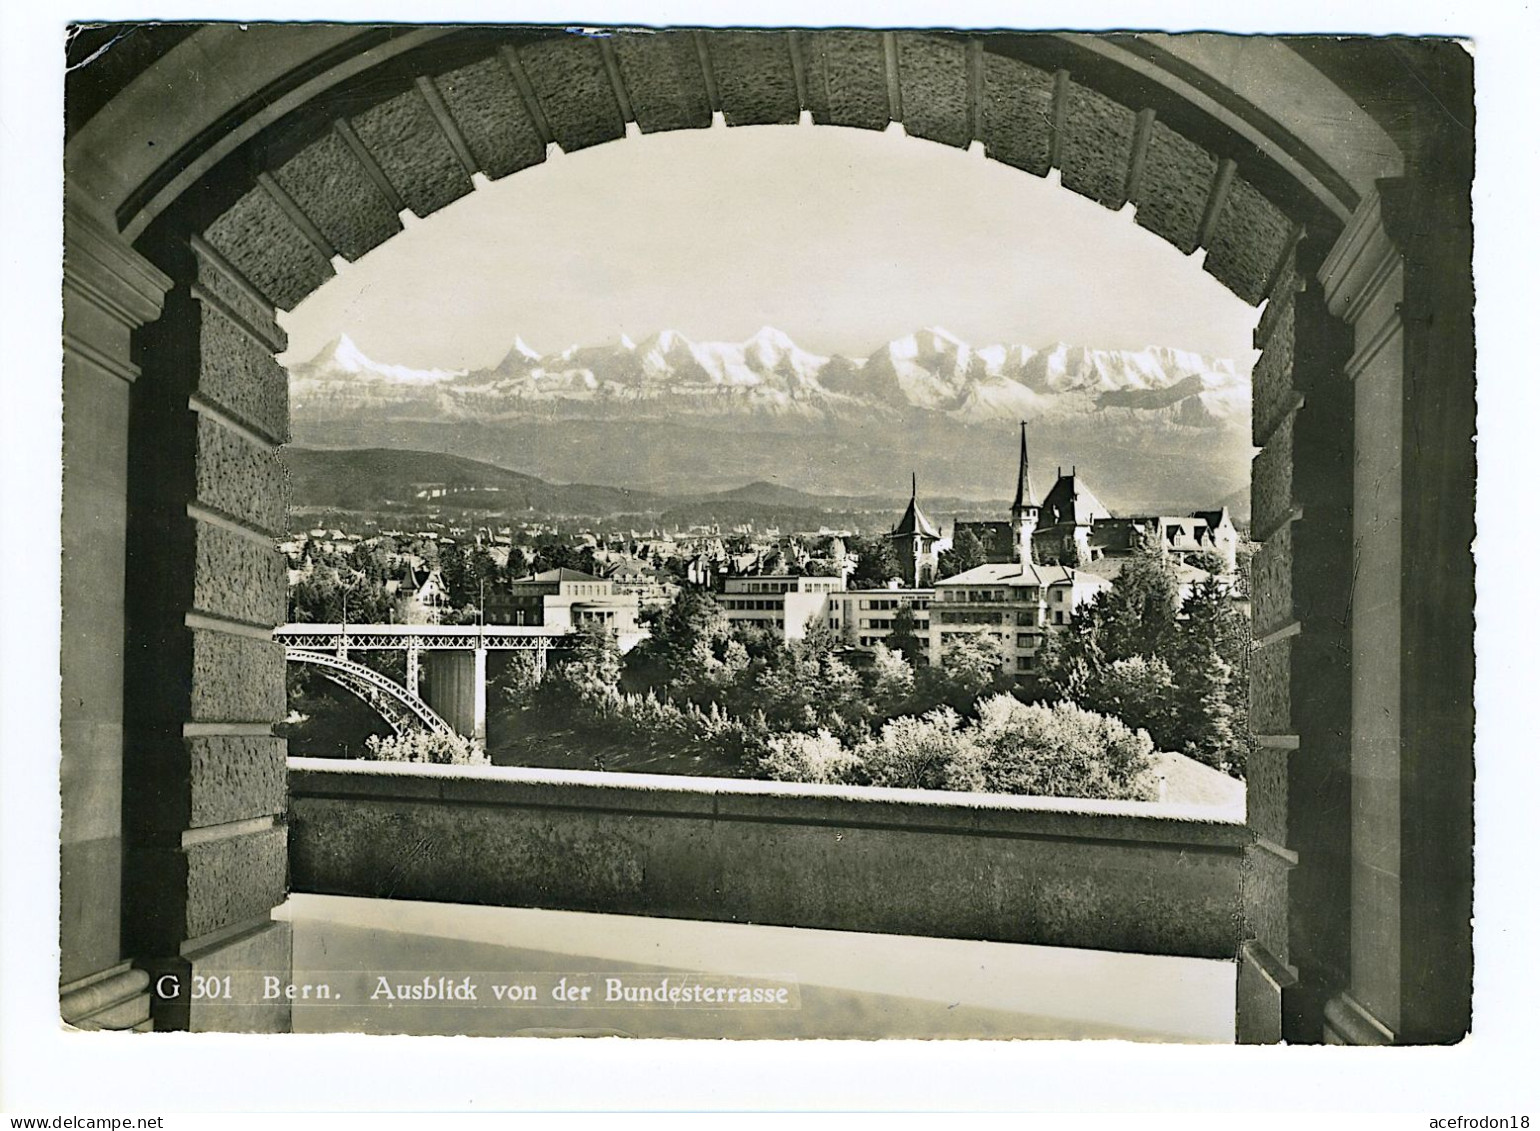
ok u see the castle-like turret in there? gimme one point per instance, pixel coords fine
(914, 541)
(1024, 510)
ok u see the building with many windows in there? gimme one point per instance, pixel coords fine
(1016, 602)
(864, 618)
(565, 598)
(786, 604)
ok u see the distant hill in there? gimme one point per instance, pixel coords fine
(355, 478)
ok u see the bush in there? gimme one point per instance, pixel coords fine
(426, 746)
(1058, 751)
(918, 753)
(820, 759)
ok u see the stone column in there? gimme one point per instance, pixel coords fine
(109, 291)
(205, 781)
(479, 713)
(1401, 277)
(1295, 889)
(456, 689)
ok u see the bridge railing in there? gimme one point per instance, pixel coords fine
(428, 637)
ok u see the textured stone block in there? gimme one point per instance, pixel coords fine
(573, 86)
(933, 86)
(240, 478)
(1265, 897)
(241, 375)
(237, 679)
(754, 78)
(328, 184)
(257, 314)
(1272, 673)
(1018, 114)
(846, 77)
(269, 950)
(664, 81)
(235, 879)
(1249, 238)
(1272, 481)
(486, 106)
(407, 144)
(235, 778)
(237, 577)
(1173, 190)
(1267, 793)
(1098, 146)
(264, 245)
(1273, 391)
(1258, 1004)
(1272, 582)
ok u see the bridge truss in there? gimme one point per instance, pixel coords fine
(402, 711)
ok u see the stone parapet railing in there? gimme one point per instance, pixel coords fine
(1117, 876)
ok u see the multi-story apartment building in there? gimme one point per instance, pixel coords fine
(783, 603)
(1016, 602)
(864, 618)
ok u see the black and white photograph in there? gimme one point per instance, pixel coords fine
(584, 535)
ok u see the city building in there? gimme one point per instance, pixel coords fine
(863, 618)
(1016, 602)
(783, 603)
(565, 598)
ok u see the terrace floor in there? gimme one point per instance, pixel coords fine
(842, 984)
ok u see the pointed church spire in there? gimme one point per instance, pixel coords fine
(1024, 496)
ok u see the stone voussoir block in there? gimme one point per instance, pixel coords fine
(1018, 114)
(933, 87)
(573, 87)
(1173, 189)
(236, 293)
(1267, 793)
(485, 104)
(336, 193)
(237, 577)
(1098, 146)
(235, 778)
(262, 243)
(241, 375)
(241, 478)
(406, 142)
(1250, 235)
(664, 81)
(754, 77)
(1265, 900)
(847, 82)
(236, 678)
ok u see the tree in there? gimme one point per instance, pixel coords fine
(588, 673)
(903, 640)
(692, 652)
(919, 753)
(972, 665)
(876, 564)
(967, 552)
(425, 746)
(1209, 561)
(892, 682)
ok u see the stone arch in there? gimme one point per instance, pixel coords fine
(311, 148)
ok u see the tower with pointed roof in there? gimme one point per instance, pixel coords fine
(1024, 510)
(914, 542)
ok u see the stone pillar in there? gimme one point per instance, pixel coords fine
(479, 713)
(109, 291)
(205, 778)
(456, 689)
(1401, 277)
(1296, 889)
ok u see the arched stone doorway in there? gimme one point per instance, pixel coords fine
(215, 185)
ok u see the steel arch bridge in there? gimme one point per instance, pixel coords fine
(401, 710)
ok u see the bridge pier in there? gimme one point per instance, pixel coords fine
(457, 689)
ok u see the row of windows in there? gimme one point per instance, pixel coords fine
(732, 603)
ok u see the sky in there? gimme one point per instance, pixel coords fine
(845, 239)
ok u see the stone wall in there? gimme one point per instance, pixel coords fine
(1119, 876)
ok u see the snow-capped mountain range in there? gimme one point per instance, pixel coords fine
(930, 371)
(673, 415)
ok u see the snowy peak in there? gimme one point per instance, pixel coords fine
(928, 371)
